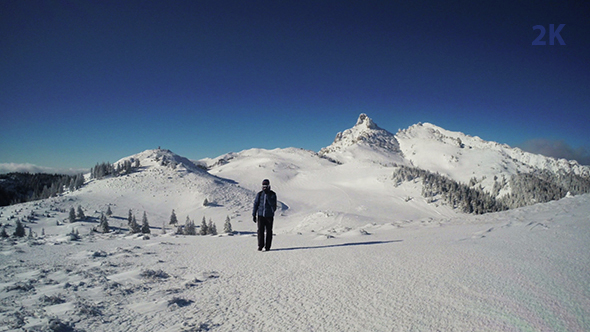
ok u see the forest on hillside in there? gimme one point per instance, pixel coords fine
(23, 187)
(525, 189)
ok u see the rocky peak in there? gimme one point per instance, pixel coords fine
(366, 133)
(365, 121)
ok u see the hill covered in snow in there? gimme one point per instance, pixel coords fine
(162, 182)
(463, 157)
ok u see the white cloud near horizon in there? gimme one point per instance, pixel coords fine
(557, 149)
(31, 168)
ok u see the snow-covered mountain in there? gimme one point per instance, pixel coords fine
(163, 182)
(352, 179)
(344, 186)
(355, 248)
(462, 157)
(364, 142)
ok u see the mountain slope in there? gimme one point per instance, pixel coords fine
(164, 181)
(462, 157)
(319, 195)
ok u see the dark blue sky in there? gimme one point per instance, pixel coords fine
(90, 81)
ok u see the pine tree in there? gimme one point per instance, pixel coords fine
(109, 211)
(163, 227)
(205, 202)
(189, 227)
(134, 227)
(104, 224)
(173, 219)
(79, 181)
(145, 226)
(129, 218)
(3, 233)
(212, 228)
(204, 228)
(227, 226)
(20, 229)
(72, 216)
(80, 215)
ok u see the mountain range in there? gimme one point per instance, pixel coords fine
(353, 181)
(367, 175)
(375, 232)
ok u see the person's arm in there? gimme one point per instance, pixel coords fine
(274, 203)
(255, 208)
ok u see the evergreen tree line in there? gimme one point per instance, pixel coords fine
(107, 169)
(188, 228)
(24, 187)
(543, 186)
(526, 189)
(460, 196)
(206, 228)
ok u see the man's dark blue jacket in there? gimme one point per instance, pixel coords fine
(265, 204)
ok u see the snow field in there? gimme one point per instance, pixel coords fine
(519, 270)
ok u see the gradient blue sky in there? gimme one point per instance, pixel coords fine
(83, 82)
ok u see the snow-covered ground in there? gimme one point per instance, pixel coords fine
(521, 270)
(353, 251)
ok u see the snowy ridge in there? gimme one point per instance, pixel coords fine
(162, 158)
(528, 161)
(163, 182)
(315, 193)
(462, 157)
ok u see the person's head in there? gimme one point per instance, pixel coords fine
(265, 184)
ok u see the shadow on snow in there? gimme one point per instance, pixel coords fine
(338, 245)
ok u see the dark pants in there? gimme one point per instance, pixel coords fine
(264, 224)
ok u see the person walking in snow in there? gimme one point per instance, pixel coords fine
(265, 206)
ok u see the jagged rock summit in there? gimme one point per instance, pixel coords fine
(366, 141)
(366, 121)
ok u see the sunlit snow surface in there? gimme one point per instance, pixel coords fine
(522, 270)
(353, 250)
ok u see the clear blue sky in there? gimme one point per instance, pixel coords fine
(83, 82)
